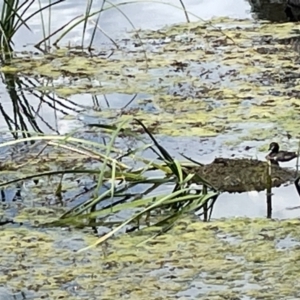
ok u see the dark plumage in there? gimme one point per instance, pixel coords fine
(292, 10)
(293, 3)
(279, 156)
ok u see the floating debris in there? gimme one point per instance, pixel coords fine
(242, 175)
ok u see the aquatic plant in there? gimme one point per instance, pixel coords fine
(113, 181)
(13, 16)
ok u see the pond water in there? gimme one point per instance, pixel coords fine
(53, 113)
(233, 257)
(143, 15)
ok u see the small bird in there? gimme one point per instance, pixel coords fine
(276, 156)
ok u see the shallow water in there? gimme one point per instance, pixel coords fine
(203, 150)
(143, 15)
(240, 258)
(208, 260)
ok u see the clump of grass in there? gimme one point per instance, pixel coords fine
(13, 16)
(150, 208)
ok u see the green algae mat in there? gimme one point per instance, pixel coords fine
(212, 76)
(225, 259)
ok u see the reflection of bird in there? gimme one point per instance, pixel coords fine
(292, 10)
(275, 155)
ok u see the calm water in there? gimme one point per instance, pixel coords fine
(57, 114)
(143, 16)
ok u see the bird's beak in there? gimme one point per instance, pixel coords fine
(270, 147)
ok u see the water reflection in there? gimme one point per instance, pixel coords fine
(29, 106)
(28, 103)
(253, 204)
(145, 15)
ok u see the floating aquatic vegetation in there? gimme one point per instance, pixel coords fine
(209, 73)
(111, 182)
(237, 257)
(217, 79)
(241, 175)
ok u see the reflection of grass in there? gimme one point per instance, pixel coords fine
(23, 115)
(15, 14)
(114, 182)
(219, 101)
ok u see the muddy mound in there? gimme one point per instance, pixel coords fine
(241, 175)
